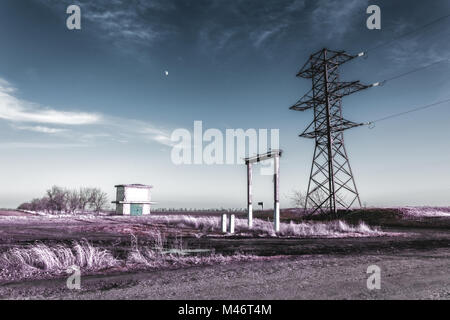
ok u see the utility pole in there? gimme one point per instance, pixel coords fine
(275, 155)
(249, 195)
(331, 183)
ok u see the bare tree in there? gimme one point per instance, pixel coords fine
(25, 206)
(37, 205)
(98, 200)
(298, 199)
(318, 197)
(57, 199)
(41, 205)
(73, 201)
(85, 195)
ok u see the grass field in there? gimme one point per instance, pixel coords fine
(34, 247)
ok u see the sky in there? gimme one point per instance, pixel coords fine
(94, 107)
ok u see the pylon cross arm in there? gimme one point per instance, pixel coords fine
(344, 125)
(337, 90)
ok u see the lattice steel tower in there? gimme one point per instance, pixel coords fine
(331, 183)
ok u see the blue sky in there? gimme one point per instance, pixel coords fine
(94, 108)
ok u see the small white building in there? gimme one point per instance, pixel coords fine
(133, 199)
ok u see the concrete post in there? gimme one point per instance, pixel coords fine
(224, 223)
(276, 207)
(231, 224)
(249, 195)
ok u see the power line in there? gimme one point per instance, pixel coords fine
(408, 111)
(416, 70)
(380, 83)
(408, 33)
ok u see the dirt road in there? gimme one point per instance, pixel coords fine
(410, 274)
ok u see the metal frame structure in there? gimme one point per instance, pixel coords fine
(275, 154)
(331, 183)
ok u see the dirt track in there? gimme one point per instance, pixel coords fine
(410, 274)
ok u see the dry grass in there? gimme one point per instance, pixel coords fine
(426, 211)
(40, 260)
(203, 223)
(331, 229)
(55, 259)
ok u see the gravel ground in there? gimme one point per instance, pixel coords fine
(410, 274)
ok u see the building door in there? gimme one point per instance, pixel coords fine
(136, 209)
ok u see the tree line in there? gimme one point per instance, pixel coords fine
(59, 200)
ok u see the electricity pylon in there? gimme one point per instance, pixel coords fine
(331, 183)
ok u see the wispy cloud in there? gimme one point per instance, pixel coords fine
(332, 19)
(17, 110)
(260, 36)
(422, 49)
(213, 24)
(164, 140)
(246, 23)
(131, 130)
(41, 129)
(122, 20)
(79, 128)
(37, 145)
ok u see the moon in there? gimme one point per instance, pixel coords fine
(166, 72)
